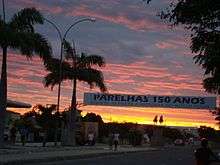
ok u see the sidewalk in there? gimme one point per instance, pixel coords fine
(34, 153)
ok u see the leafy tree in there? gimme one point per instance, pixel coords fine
(92, 117)
(172, 133)
(202, 18)
(24, 122)
(76, 67)
(45, 115)
(19, 34)
(207, 132)
(47, 118)
(135, 137)
(28, 121)
(41, 118)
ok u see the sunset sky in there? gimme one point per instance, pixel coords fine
(143, 55)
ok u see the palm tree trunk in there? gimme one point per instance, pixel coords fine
(3, 95)
(69, 139)
(73, 116)
(72, 122)
(3, 9)
(73, 102)
(73, 105)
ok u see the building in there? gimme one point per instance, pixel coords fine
(11, 116)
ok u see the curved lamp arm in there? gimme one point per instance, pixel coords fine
(55, 26)
(79, 21)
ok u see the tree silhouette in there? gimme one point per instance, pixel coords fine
(81, 67)
(202, 18)
(92, 117)
(155, 119)
(161, 119)
(19, 34)
(46, 117)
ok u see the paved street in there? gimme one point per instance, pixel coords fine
(32, 153)
(174, 156)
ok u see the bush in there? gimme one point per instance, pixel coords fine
(135, 137)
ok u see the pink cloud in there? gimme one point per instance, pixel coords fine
(38, 5)
(165, 45)
(139, 24)
(175, 43)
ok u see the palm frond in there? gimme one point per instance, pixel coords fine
(53, 65)
(82, 71)
(53, 78)
(86, 61)
(41, 46)
(25, 19)
(31, 43)
(93, 77)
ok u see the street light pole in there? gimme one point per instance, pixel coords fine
(3, 88)
(3, 9)
(62, 39)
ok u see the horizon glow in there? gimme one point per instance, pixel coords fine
(143, 55)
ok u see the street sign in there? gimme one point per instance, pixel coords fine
(190, 102)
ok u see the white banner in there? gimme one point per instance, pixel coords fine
(190, 102)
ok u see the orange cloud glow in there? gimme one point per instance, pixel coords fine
(143, 56)
(28, 87)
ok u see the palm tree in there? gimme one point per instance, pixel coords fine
(19, 34)
(75, 67)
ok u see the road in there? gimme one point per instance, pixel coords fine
(168, 156)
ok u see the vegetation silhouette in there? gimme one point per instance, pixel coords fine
(76, 67)
(155, 120)
(202, 19)
(19, 34)
(161, 120)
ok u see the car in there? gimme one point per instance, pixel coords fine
(179, 142)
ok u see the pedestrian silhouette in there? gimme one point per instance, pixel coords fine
(111, 137)
(204, 155)
(13, 132)
(23, 133)
(116, 140)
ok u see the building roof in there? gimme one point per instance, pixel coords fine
(16, 104)
(12, 112)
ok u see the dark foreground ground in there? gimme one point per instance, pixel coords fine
(167, 156)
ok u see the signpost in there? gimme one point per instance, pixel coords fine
(190, 102)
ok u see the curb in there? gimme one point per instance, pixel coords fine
(61, 158)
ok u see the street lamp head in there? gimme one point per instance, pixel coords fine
(93, 19)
